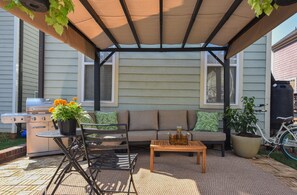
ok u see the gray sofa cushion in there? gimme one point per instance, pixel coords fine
(143, 120)
(169, 119)
(192, 118)
(164, 135)
(123, 117)
(142, 135)
(208, 136)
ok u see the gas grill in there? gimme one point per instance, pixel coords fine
(37, 119)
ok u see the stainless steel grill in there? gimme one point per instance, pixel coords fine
(37, 119)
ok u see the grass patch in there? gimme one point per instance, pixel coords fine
(6, 142)
(280, 157)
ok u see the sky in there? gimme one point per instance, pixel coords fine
(284, 28)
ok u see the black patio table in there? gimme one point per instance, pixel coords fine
(71, 153)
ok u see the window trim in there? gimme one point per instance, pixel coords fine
(203, 77)
(81, 82)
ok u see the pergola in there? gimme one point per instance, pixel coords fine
(162, 26)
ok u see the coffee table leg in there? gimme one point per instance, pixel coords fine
(152, 160)
(203, 161)
(198, 158)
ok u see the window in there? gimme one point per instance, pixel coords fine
(213, 89)
(107, 79)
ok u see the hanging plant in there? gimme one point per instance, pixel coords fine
(260, 6)
(57, 11)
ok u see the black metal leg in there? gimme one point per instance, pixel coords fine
(223, 149)
(72, 160)
(62, 162)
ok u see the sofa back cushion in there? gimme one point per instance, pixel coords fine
(192, 119)
(123, 118)
(143, 120)
(169, 119)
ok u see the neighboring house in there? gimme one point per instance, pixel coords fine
(18, 65)
(165, 81)
(285, 59)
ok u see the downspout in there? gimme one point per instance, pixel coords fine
(20, 72)
(41, 65)
(15, 65)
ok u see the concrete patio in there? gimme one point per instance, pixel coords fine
(175, 173)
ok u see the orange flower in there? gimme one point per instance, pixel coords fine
(71, 103)
(74, 99)
(63, 102)
(56, 102)
(51, 109)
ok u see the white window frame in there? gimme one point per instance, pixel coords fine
(203, 81)
(81, 82)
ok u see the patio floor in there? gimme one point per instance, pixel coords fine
(175, 173)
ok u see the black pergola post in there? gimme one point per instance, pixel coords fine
(226, 100)
(97, 81)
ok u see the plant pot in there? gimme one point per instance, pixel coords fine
(67, 127)
(246, 147)
(36, 5)
(285, 2)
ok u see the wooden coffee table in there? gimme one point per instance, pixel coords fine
(164, 146)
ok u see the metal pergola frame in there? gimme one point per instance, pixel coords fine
(117, 47)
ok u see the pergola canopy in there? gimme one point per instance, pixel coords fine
(161, 25)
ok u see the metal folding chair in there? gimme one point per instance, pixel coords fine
(102, 148)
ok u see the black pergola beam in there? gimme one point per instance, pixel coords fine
(97, 94)
(95, 16)
(130, 22)
(225, 18)
(161, 22)
(191, 23)
(216, 57)
(105, 59)
(187, 49)
(227, 101)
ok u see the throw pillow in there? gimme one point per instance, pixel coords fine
(106, 118)
(207, 121)
(86, 118)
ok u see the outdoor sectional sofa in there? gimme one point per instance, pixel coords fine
(147, 125)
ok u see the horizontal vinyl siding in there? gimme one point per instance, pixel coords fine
(61, 66)
(159, 81)
(6, 65)
(30, 62)
(254, 73)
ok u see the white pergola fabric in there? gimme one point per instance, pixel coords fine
(145, 15)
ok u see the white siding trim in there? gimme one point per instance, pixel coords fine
(239, 83)
(115, 73)
(268, 84)
(16, 40)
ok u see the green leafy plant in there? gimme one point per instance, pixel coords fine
(243, 120)
(56, 15)
(260, 6)
(63, 110)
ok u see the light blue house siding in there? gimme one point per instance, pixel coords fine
(30, 63)
(7, 66)
(157, 80)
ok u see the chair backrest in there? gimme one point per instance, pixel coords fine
(99, 139)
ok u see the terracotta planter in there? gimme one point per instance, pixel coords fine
(67, 127)
(246, 147)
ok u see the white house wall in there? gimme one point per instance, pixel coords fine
(6, 65)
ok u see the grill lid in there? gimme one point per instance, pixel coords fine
(38, 105)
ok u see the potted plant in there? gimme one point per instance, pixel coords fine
(66, 114)
(57, 11)
(245, 142)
